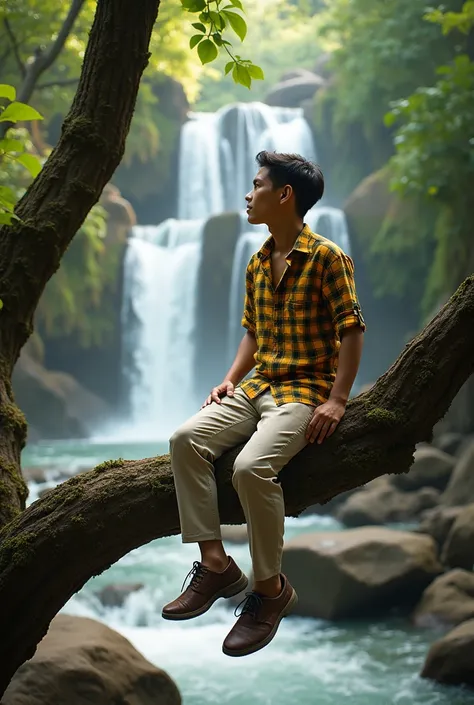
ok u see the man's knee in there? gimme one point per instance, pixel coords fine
(248, 469)
(181, 438)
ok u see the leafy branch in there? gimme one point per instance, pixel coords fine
(215, 18)
(13, 150)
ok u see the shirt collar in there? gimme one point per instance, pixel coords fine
(303, 243)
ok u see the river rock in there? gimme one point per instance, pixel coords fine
(55, 403)
(83, 661)
(115, 595)
(460, 490)
(458, 549)
(447, 602)
(437, 522)
(360, 572)
(380, 502)
(449, 442)
(431, 468)
(34, 474)
(450, 659)
(295, 87)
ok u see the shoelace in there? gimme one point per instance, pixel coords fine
(250, 605)
(197, 573)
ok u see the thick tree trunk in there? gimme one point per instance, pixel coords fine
(89, 522)
(89, 150)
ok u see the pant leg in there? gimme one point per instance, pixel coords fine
(279, 436)
(193, 448)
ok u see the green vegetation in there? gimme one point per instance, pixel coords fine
(434, 161)
(402, 101)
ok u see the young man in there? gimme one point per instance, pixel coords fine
(304, 334)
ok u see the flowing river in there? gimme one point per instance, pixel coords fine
(310, 662)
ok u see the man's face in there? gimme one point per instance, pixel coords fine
(263, 200)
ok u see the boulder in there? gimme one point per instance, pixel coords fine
(360, 572)
(115, 595)
(380, 502)
(460, 489)
(55, 403)
(295, 87)
(219, 239)
(458, 549)
(331, 506)
(83, 661)
(448, 442)
(431, 468)
(437, 522)
(374, 214)
(34, 474)
(450, 659)
(447, 602)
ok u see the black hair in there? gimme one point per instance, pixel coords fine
(305, 178)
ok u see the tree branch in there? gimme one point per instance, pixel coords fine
(15, 47)
(87, 523)
(62, 82)
(90, 147)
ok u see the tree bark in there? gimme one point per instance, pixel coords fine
(89, 150)
(87, 523)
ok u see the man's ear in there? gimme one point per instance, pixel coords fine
(286, 193)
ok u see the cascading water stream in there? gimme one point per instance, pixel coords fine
(216, 169)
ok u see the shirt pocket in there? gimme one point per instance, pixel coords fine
(299, 308)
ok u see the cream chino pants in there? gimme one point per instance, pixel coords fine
(274, 434)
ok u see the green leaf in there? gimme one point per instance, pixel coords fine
(31, 163)
(207, 51)
(228, 67)
(7, 197)
(7, 91)
(217, 39)
(195, 39)
(241, 75)
(389, 119)
(19, 111)
(237, 23)
(255, 72)
(1, 304)
(6, 218)
(199, 26)
(237, 3)
(218, 19)
(193, 5)
(7, 145)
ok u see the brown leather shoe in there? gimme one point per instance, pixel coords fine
(205, 588)
(259, 620)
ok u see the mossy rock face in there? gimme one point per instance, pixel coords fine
(220, 237)
(391, 319)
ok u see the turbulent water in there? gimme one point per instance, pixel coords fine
(310, 662)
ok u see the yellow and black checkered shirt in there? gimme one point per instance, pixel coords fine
(298, 324)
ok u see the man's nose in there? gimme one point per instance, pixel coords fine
(247, 197)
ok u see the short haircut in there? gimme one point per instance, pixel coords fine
(305, 178)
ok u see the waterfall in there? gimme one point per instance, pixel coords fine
(161, 265)
(215, 171)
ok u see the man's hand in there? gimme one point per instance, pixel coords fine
(324, 420)
(224, 389)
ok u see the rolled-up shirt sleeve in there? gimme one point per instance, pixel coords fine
(340, 293)
(248, 318)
